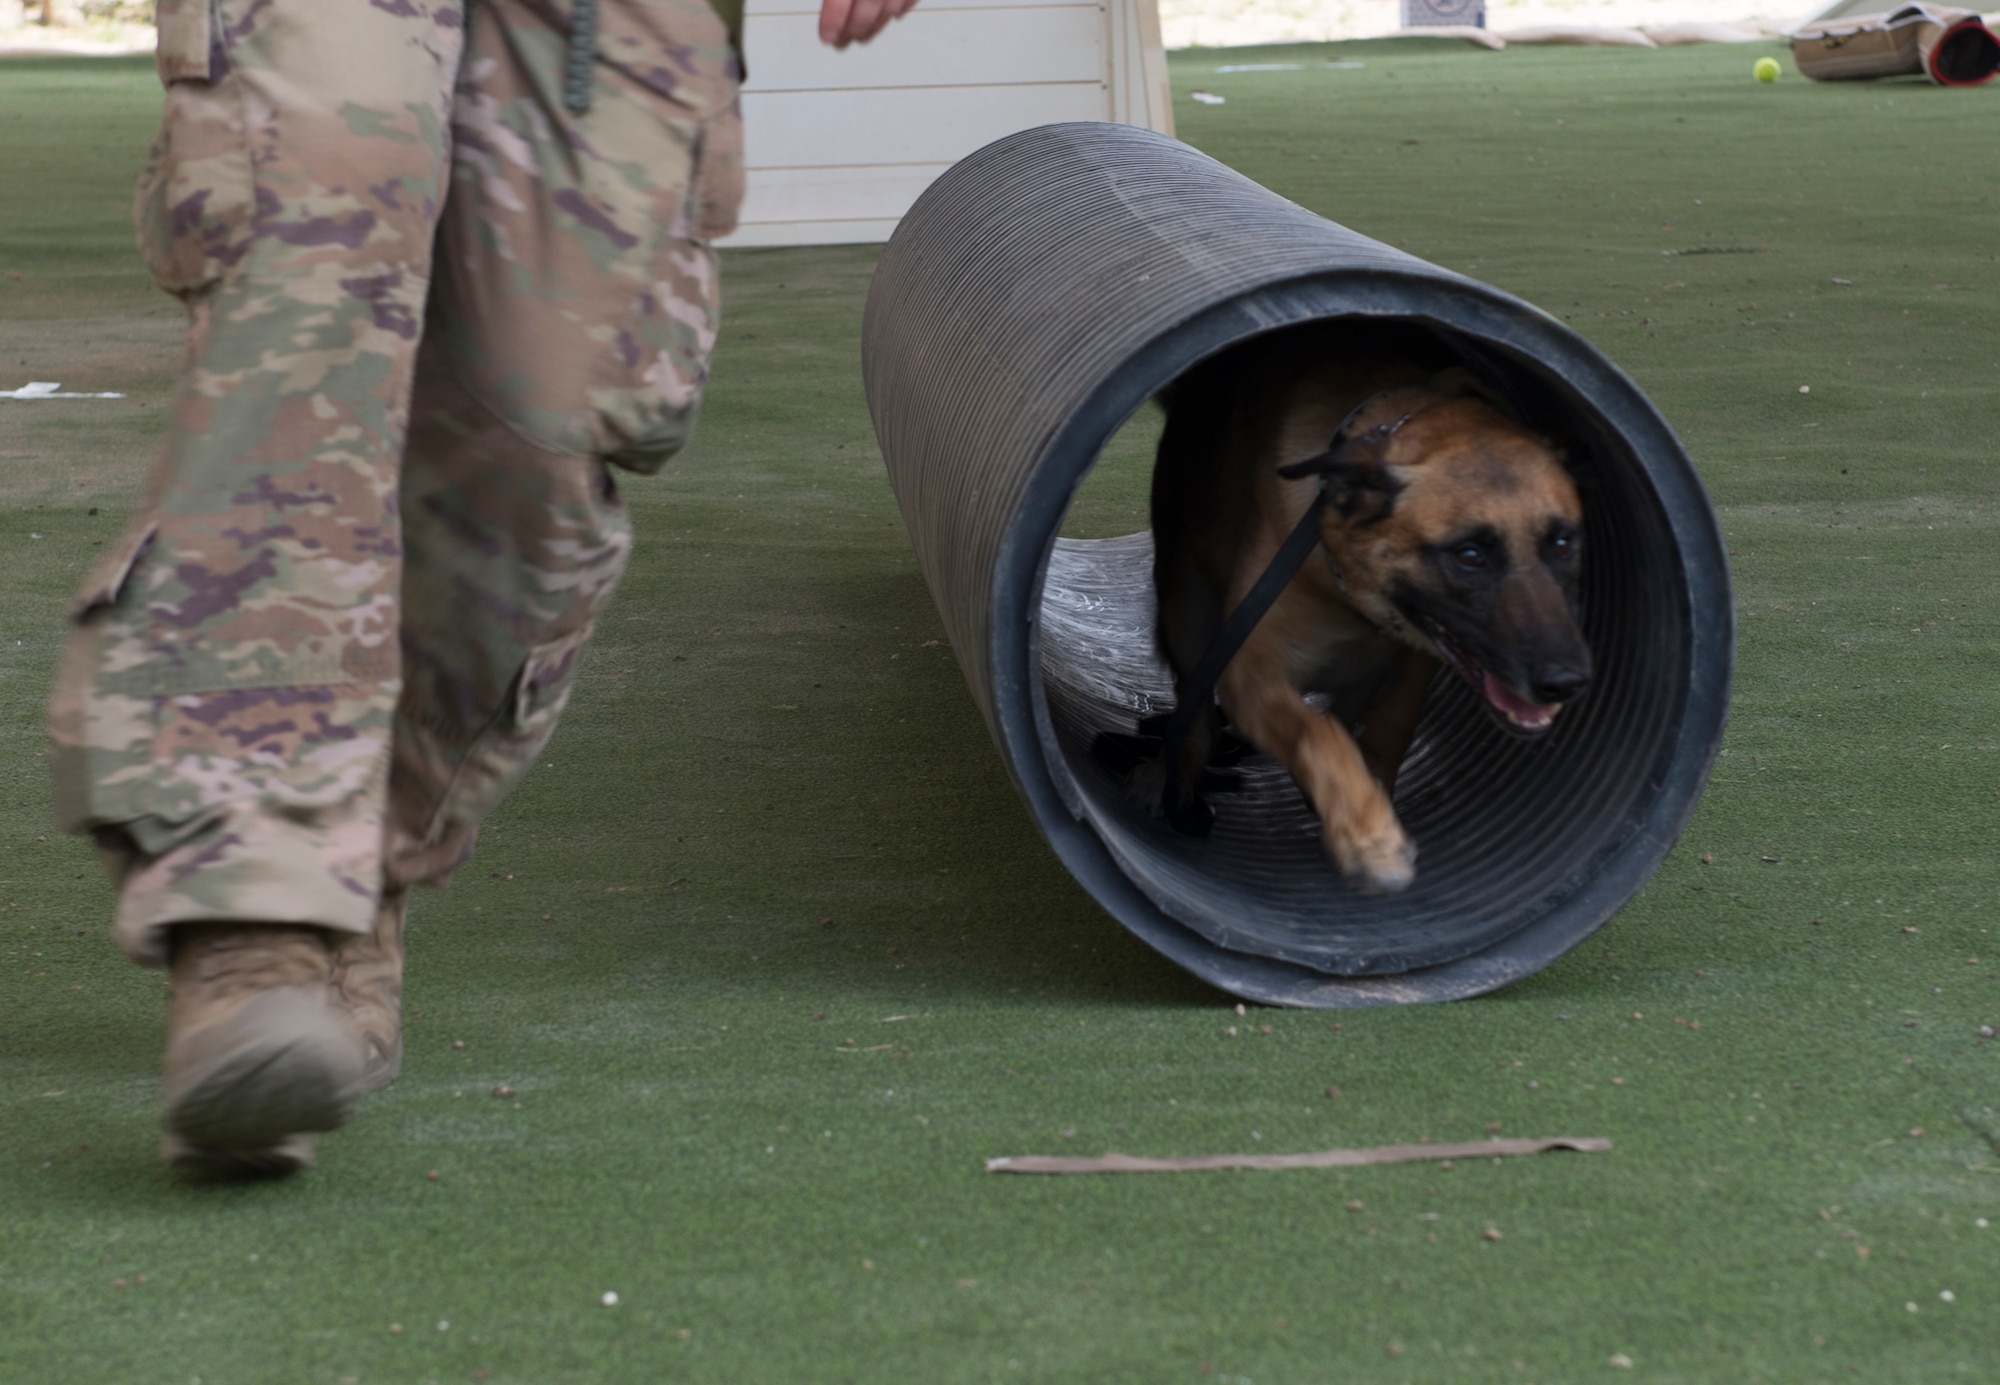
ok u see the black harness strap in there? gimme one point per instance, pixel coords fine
(1200, 688)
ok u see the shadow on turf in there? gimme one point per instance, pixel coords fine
(900, 862)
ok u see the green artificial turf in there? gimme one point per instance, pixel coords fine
(773, 959)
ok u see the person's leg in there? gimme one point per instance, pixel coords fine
(222, 718)
(571, 325)
(512, 550)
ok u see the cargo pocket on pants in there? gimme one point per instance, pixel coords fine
(508, 747)
(86, 751)
(716, 198)
(576, 284)
(542, 690)
(195, 205)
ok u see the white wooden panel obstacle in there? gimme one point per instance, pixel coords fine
(838, 145)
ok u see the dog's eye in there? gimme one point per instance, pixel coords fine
(1561, 544)
(1478, 550)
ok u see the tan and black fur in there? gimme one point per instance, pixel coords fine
(1456, 537)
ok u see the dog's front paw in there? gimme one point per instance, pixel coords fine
(1381, 861)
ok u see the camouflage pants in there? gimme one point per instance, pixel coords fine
(428, 306)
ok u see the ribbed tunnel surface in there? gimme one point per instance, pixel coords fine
(1043, 290)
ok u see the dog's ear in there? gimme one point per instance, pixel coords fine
(1358, 483)
(1559, 442)
(1562, 444)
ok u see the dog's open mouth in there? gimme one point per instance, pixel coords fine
(1513, 711)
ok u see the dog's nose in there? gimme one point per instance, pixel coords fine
(1559, 683)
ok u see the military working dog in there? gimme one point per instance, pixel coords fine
(1450, 533)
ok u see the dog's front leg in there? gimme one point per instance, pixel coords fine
(1359, 823)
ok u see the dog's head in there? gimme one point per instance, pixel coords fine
(1460, 530)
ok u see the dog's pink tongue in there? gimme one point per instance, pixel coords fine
(1530, 716)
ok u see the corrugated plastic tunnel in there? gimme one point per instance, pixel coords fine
(1034, 298)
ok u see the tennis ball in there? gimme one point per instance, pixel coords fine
(1766, 70)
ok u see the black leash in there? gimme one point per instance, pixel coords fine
(1199, 692)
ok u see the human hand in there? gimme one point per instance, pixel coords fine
(842, 22)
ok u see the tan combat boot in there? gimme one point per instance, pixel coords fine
(258, 1055)
(368, 987)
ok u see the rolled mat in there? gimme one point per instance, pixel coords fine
(1034, 298)
(1953, 48)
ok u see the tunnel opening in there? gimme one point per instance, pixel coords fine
(1507, 830)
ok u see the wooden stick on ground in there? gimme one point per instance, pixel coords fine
(1323, 1159)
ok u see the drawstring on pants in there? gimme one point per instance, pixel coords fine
(582, 56)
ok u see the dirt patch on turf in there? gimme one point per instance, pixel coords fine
(86, 451)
